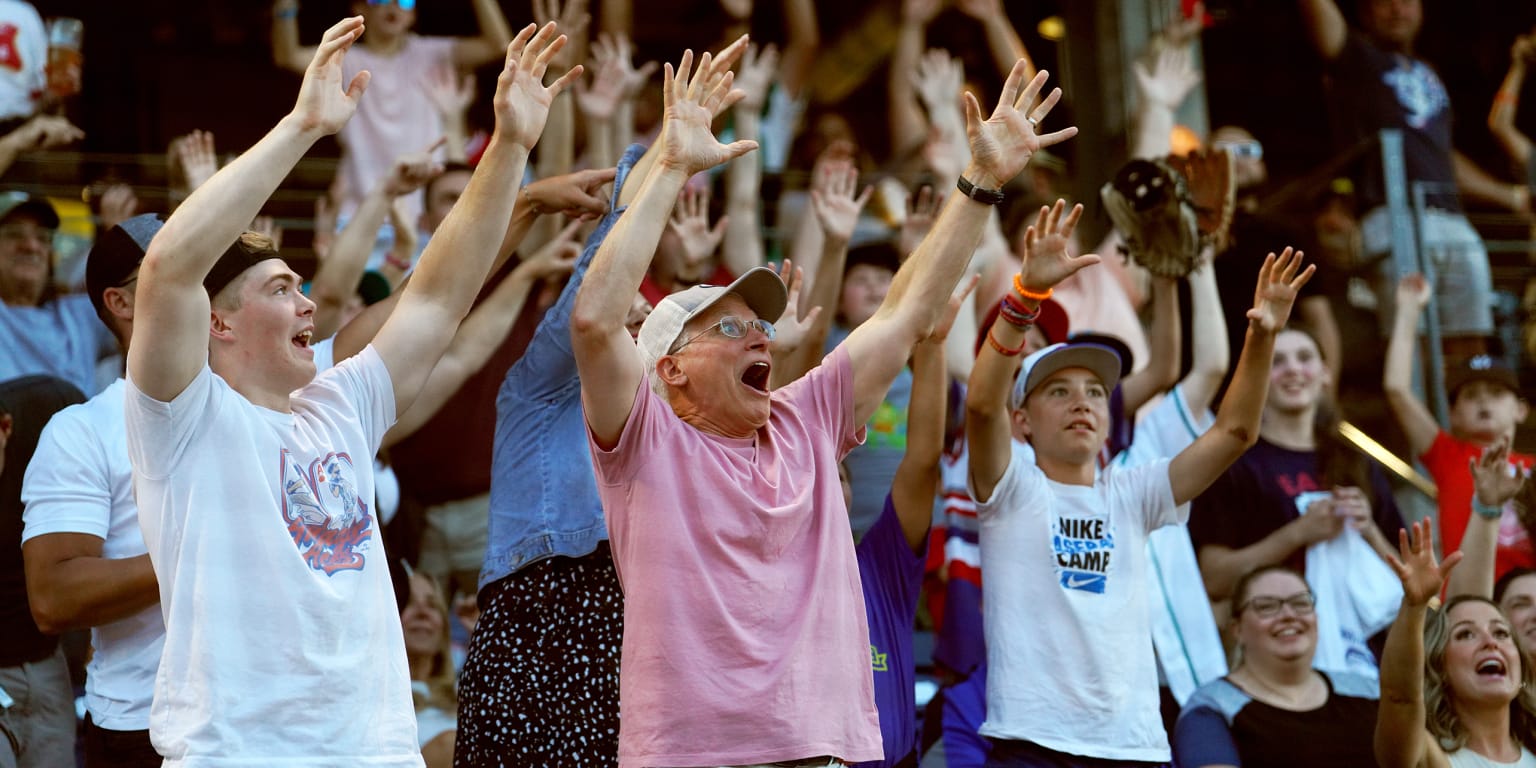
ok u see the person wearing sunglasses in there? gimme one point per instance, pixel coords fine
(1274, 709)
(399, 116)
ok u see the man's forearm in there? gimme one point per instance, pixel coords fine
(494, 28)
(1007, 47)
(922, 286)
(85, 592)
(336, 279)
(1243, 406)
(621, 261)
(743, 236)
(456, 261)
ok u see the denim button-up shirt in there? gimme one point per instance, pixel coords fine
(543, 497)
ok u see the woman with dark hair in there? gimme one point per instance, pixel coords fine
(1274, 709)
(1254, 514)
(1455, 692)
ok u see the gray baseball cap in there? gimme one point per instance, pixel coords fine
(760, 288)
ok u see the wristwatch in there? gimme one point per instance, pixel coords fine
(987, 196)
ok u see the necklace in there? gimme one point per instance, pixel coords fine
(1311, 695)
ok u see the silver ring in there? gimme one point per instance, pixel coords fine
(1032, 121)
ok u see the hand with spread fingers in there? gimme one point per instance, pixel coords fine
(687, 142)
(522, 100)
(791, 330)
(1280, 280)
(574, 194)
(412, 171)
(1001, 145)
(1496, 480)
(690, 223)
(758, 70)
(1416, 567)
(1047, 254)
(833, 200)
(325, 101)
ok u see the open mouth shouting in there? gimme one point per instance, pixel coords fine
(756, 376)
(1492, 668)
(302, 338)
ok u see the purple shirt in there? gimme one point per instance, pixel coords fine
(891, 574)
(744, 634)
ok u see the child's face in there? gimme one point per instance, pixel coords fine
(1485, 411)
(386, 19)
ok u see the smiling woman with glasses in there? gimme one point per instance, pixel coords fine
(1274, 709)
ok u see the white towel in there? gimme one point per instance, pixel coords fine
(1357, 596)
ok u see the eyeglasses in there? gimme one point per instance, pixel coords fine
(1252, 149)
(1269, 607)
(731, 327)
(405, 5)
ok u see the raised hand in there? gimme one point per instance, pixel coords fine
(1002, 144)
(1047, 256)
(922, 211)
(1170, 78)
(1413, 292)
(791, 330)
(1280, 280)
(687, 142)
(118, 204)
(1182, 31)
(266, 225)
(956, 300)
(45, 132)
(833, 201)
(194, 152)
(938, 80)
(325, 227)
(326, 103)
(1422, 577)
(556, 257)
(600, 100)
(920, 12)
(1496, 480)
(411, 172)
(620, 49)
(690, 222)
(572, 19)
(980, 10)
(573, 194)
(450, 94)
(758, 70)
(522, 100)
(738, 10)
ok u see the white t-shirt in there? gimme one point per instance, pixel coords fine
(1184, 632)
(1069, 652)
(80, 481)
(23, 59)
(283, 641)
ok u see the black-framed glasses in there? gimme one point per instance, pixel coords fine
(1301, 604)
(731, 327)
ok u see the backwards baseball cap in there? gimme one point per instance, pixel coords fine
(15, 203)
(760, 288)
(240, 256)
(1481, 368)
(1103, 361)
(117, 253)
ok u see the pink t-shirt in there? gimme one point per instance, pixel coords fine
(744, 632)
(393, 118)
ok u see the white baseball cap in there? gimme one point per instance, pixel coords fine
(760, 288)
(1103, 360)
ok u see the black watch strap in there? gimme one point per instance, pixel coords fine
(988, 196)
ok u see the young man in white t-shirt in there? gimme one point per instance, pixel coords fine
(744, 631)
(254, 476)
(1071, 676)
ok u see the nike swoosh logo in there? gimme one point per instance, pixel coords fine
(1073, 581)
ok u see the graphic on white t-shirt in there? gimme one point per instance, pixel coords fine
(10, 56)
(1083, 546)
(329, 524)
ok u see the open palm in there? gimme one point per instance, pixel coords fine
(1280, 280)
(687, 142)
(1422, 577)
(1047, 254)
(1001, 145)
(522, 100)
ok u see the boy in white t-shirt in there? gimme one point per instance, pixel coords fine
(254, 477)
(1071, 676)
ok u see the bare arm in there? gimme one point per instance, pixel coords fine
(1478, 184)
(1401, 739)
(491, 44)
(286, 51)
(1162, 369)
(1002, 39)
(1237, 423)
(1208, 332)
(466, 245)
(1222, 566)
(1501, 117)
(1397, 373)
(606, 356)
(70, 585)
(1164, 85)
(1326, 28)
(743, 176)
(802, 39)
(39, 133)
(1495, 486)
(917, 476)
(1000, 148)
(170, 341)
(484, 330)
(909, 126)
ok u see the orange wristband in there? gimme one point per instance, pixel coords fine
(1002, 350)
(1018, 285)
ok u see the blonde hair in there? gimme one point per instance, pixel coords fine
(1439, 700)
(441, 677)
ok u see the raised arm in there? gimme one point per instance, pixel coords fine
(1495, 486)
(802, 40)
(743, 177)
(452, 95)
(466, 244)
(286, 51)
(1002, 39)
(1210, 355)
(1000, 148)
(1501, 117)
(1237, 423)
(1047, 261)
(486, 327)
(909, 126)
(495, 35)
(1478, 184)
(917, 476)
(1401, 739)
(1162, 369)
(1397, 372)
(1164, 80)
(170, 329)
(1326, 28)
(606, 356)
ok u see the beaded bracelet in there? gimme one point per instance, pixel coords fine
(1018, 285)
(1002, 350)
(1015, 313)
(1486, 511)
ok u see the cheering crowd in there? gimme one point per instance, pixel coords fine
(552, 461)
